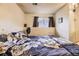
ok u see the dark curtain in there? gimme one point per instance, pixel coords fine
(35, 22)
(51, 22)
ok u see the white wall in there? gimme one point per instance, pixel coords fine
(38, 31)
(63, 28)
(11, 18)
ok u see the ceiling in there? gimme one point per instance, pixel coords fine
(40, 8)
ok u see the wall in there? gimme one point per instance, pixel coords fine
(35, 30)
(11, 18)
(63, 28)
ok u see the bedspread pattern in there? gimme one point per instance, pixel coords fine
(35, 47)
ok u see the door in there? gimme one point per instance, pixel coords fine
(77, 24)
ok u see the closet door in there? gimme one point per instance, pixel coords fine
(76, 20)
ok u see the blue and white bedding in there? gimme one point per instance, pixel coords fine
(65, 50)
(46, 51)
(72, 48)
(34, 45)
(62, 40)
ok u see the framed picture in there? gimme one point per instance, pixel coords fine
(25, 25)
(60, 20)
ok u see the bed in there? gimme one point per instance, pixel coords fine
(43, 46)
(66, 48)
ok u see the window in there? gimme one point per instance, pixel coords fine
(43, 22)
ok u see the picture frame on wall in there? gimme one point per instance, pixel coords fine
(60, 20)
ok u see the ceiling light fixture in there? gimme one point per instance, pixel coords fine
(34, 4)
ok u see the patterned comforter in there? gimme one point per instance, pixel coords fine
(34, 46)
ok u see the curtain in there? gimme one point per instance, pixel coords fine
(51, 22)
(35, 22)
